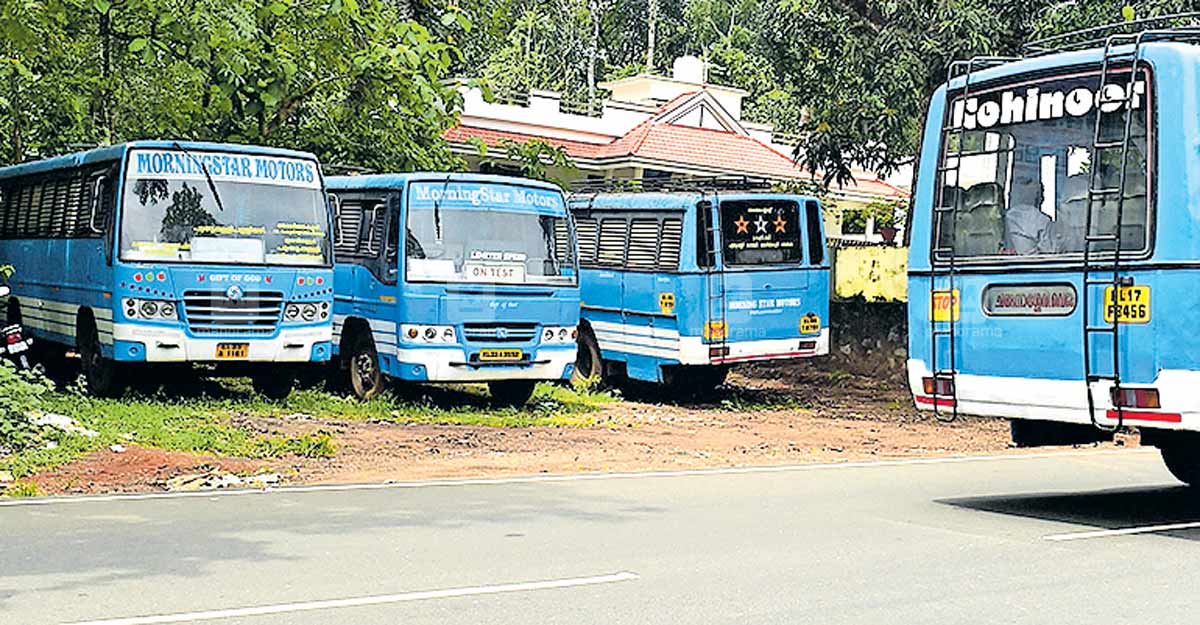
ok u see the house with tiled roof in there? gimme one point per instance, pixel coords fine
(650, 127)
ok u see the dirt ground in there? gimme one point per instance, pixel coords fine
(764, 416)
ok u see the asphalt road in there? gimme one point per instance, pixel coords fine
(985, 541)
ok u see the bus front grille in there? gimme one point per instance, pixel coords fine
(212, 312)
(499, 332)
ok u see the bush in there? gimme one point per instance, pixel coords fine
(20, 394)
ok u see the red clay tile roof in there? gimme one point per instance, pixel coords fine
(701, 148)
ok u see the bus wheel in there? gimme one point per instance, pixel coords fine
(1183, 461)
(362, 367)
(589, 368)
(103, 376)
(276, 386)
(512, 393)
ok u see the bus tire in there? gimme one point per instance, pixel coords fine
(12, 315)
(589, 366)
(1183, 461)
(101, 375)
(364, 378)
(511, 393)
(275, 386)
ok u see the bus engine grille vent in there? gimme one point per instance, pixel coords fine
(212, 312)
(499, 332)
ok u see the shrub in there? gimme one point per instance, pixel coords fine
(20, 394)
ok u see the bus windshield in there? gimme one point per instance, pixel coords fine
(208, 207)
(487, 233)
(1018, 165)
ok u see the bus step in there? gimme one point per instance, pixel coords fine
(1100, 377)
(1105, 191)
(945, 373)
(1108, 145)
(1092, 238)
(1101, 283)
(943, 332)
(1101, 329)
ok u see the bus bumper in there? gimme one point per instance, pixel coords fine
(141, 343)
(694, 351)
(447, 365)
(1063, 401)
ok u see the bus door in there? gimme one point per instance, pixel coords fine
(764, 274)
(366, 242)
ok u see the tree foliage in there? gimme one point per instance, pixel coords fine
(852, 77)
(348, 79)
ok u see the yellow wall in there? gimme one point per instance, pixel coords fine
(875, 273)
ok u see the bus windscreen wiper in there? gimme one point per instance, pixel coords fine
(212, 186)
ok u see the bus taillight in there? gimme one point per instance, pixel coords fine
(1135, 397)
(942, 387)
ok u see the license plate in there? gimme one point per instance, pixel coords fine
(233, 351)
(501, 355)
(1132, 304)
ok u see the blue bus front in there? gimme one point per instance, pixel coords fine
(481, 287)
(1011, 308)
(223, 256)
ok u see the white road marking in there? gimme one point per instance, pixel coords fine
(284, 608)
(1125, 531)
(568, 477)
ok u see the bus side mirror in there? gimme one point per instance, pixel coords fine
(96, 188)
(335, 209)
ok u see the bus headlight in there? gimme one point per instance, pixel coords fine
(149, 309)
(436, 335)
(291, 312)
(309, 313)
(306, 312)
(560, 335)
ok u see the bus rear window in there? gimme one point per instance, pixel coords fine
(1017, 174)
(761, 232)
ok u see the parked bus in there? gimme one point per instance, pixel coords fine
(481, 287)
(172, 252)
(1055, 246)
(680, 284)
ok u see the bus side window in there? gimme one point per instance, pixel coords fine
(587, 232)
(816, 247)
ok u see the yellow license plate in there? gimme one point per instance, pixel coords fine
(233, 351)
(1132, 305)
(501, 355)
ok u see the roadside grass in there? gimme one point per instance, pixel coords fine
(201, 417)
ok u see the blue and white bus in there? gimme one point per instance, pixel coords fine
(1055, 245)
(453, 278)
(679, 285)
(172, 252)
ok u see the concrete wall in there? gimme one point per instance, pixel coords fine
(873, 273)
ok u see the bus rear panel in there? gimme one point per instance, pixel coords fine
(1054, 248)
(679, 286)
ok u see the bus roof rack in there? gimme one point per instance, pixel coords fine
(673, 184)
(1173, 27)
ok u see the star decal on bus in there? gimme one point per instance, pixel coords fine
(761, 224)
(743, 226)
(780, 223)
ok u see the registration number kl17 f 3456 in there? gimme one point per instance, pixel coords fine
(1131, 306)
